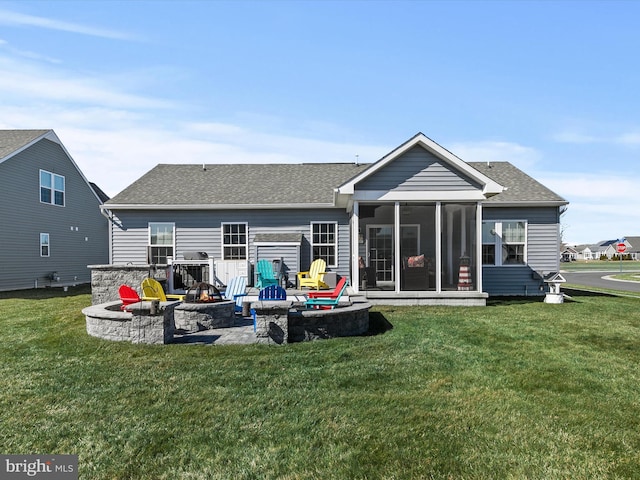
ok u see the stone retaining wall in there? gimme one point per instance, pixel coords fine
(306, 325)
(106, 279)
(194, 317)
(278, 323)
(103, 322)
(144, 323)
(272, 321)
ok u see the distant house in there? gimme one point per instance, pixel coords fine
(633, 247)
(418, 226)
(51, 226)
(587, 252)
(569, 254)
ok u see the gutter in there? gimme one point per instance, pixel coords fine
(274, 206)
(551, 203)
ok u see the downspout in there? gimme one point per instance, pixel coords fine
(109, 217)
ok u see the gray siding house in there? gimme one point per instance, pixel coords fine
(51, 226)
(419, 226)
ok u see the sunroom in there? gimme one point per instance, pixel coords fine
(416, 220)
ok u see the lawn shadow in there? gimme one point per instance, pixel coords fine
(378, 324)
(578, 292)
(46, 292)
(195, 339)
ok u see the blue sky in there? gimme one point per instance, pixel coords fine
(548, 86)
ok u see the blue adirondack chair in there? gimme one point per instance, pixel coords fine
(266, 275)
(236, 290)
(272, 292)
(328, 303)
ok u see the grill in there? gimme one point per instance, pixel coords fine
(203, 293)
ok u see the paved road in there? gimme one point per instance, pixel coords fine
(598, 279)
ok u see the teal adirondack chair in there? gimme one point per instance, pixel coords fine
(326, 303)
(236, 290)
(266, 275)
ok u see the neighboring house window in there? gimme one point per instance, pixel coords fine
(504, 243)
(44, 244)
(51, 188)
(234, 241)
(324, 242)
(161, 241)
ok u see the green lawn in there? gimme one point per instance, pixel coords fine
(599, 265)
(519, 389)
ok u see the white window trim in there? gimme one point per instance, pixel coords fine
(498, 244)
(48, 244)
(173, 229)
(53, 188)
(246, 244)
(335, 236)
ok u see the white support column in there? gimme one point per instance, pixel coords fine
(396, 246)
(463, 231)
(355, 267)
(438, 247)
(450, 272)
(479, 247)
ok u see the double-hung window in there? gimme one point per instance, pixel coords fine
(51, 188)
(234, 241)
(44, 244)
(504, 243)
(324, 242)
(161, 241)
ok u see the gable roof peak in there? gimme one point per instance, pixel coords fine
(489, 186)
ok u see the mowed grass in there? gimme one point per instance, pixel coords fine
(598, 265)
(519, 389)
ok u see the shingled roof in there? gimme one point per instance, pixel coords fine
(13, 140)
(290, 184)
(238, 184)
(521, 188)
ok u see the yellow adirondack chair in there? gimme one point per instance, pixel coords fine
(152, 290)
(314, 278)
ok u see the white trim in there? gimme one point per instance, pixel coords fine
(479, 285)
(209, 206)
(276, 244)
(53, 189)
(335, 240)
(439, 246)
(174, 235)
(396, 247)
(550, 203)
(498, 243)
(48, 244)
(355, 249)
(246, 245)
(418, 196)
